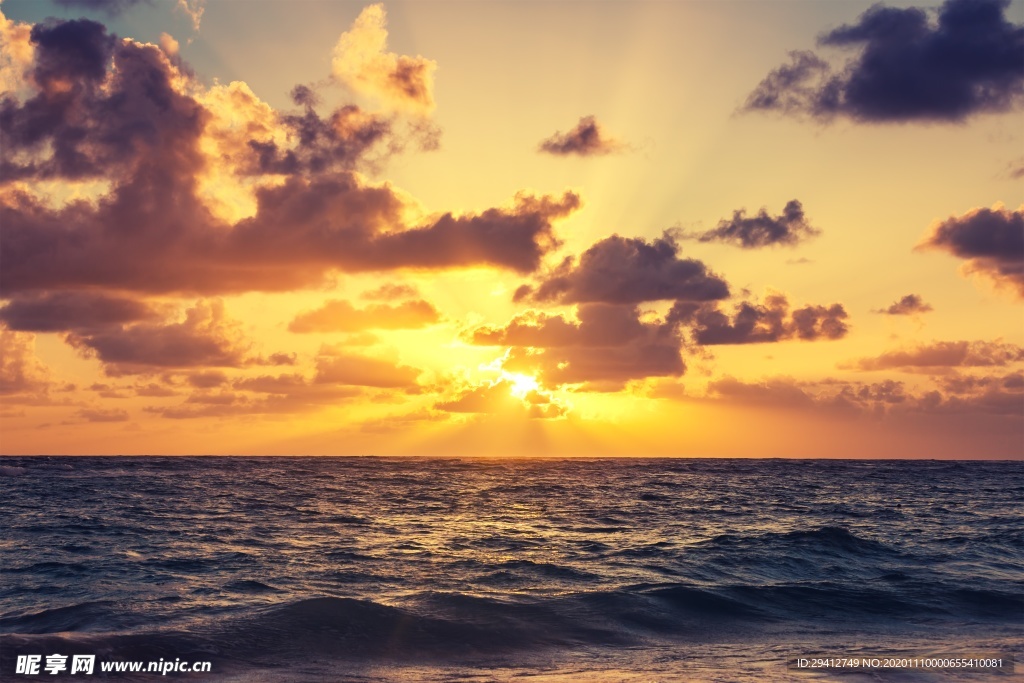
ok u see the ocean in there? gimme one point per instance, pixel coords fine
(433, 569)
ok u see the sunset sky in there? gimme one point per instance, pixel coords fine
(697, 228)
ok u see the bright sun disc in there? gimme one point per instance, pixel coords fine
(521, 384)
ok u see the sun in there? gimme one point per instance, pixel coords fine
(521, 384)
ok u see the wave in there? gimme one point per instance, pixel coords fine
(451, 627)
(249, 586)
(431, 619)
(822, 539)
(86, 616)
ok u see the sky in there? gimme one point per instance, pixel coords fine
(696, 228)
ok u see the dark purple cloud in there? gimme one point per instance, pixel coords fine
(624, 270)
(205, 338)
(152, 236)
(607, 345)
(911, 304)
(339, 142)
(599, 325)
(72, 310)
(89, 120)
(791, 88)
(770, 321)
(586, 139)
(751, 232)
(909, 68)
(967, 384)
(991, 241)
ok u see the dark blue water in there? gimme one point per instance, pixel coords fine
(450, 569)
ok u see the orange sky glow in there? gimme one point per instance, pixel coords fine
(504, 229)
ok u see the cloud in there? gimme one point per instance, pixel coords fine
(402, 422)
(207, 379)
(339, 367)
(908, 69)
(599, 325)
(943, 354)
(603, 369)
(993, 396)
(499, 397)
(911, 304)
(389, 292)
(273, 384)
(93, 121)
(245, 140)
(339, 141)
(102, 119)
(72, 310)
(295, 389)
(789, 228)
(608, 344)
(103, 415)
(771, 321)
(486, 398)
(781, 392)
(966, 384)
(118, 111)
(16, 55)
(787, 89)
(21, 371)
(998, 400)
(625, 270)
(205, 338)
(586, 139)
(341, 316)
(850, 398)
(397, 82)
(194, 9)
(260, 395)
(992, 241)
(150, 238)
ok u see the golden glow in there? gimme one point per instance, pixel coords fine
(521, 384)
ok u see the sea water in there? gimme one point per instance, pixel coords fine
(366, 569)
